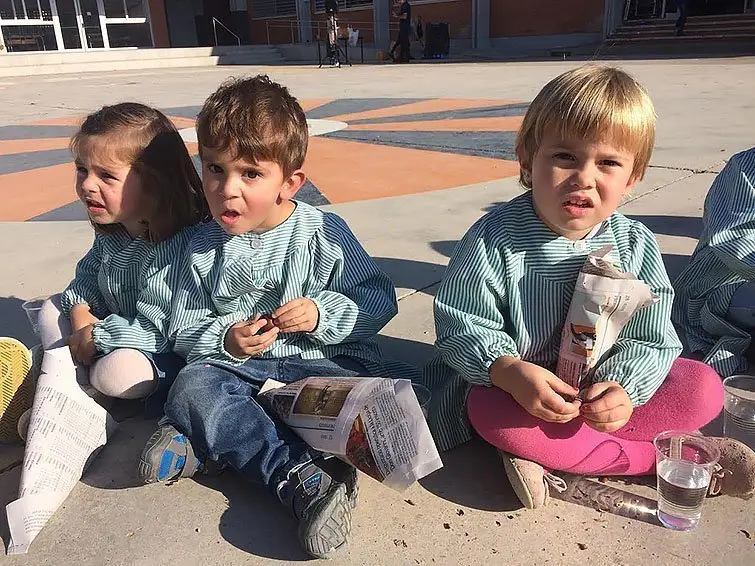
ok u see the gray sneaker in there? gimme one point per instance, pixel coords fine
(320, 500)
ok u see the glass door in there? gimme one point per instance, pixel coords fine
(80, 24)
(69, 24)
(90, 23)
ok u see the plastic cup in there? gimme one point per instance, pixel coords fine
(739, 408)
(423, 397)
(684, 466)
(32, 308)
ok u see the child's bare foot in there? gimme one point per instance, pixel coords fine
(736, 470)
(529, 480)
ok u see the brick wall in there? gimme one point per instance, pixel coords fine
(511, 18)
(458, 13)
(159, 23)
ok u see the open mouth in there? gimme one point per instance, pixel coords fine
(229, 216)
(579, 202)
(94, 206)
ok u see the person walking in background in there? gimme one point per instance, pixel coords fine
(682, 6)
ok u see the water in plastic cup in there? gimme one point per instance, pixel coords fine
(423, 397)
(32, 308)
(739, 408)
(684, 466)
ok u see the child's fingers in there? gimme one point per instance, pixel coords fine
(290, 315)
(280, 311)
(294, 324)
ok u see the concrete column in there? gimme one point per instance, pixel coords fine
(613, 16)
(481, 23)
(304, 13)
(381, 12)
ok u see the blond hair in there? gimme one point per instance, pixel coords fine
(594, 103)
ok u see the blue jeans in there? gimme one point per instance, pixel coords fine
(214, 405)
(742, 307)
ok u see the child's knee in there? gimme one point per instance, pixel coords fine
(703, 387)
(124, 374)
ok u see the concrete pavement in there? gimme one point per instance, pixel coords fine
(466, 512)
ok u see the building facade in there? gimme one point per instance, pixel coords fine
(65, 25)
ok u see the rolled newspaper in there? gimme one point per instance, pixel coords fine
(605, 299)
(375, 424)
(67, 429)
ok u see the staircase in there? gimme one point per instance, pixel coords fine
(727, 34)
(59, 62)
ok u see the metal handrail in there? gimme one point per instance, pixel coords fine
(216, 21)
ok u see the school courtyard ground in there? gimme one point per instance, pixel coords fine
(411, 156)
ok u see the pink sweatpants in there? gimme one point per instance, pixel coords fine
(690, 397)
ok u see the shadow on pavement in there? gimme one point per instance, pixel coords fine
(255, 521)
(13, 321)
(686, 226)
(115, 466)
(472, 475)
(411, 274)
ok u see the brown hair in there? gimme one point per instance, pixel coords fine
(590, 102)
(149, 142)
(256, 119)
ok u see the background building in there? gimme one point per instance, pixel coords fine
(55, 25)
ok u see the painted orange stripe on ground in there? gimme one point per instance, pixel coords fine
(180, 122)
(27, 194)
(313, 103)
(423, 107)
(193, 147)
(65, 121)
(9, 147)
(347, 171)
(500, 124)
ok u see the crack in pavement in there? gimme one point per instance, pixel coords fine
(689, 169)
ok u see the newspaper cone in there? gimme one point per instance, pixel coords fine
(604, 301)
(375, 424)
(66, 430)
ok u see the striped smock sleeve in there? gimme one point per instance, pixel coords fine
(84, 289)
(470, 308)
(149, 330)
(647, 346)
(355, 298)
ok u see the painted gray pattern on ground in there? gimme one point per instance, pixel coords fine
(35, 132)
(464, 113)
(67, 213)
(353, 105)
(16, 162)
(182, 111)
(498, 145)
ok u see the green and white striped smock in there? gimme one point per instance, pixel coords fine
(112, 279)
(226, 279)
(507, 292)
(723, 260)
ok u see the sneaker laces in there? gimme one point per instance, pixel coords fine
(557, 483)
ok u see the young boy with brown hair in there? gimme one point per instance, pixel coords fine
(273, 289)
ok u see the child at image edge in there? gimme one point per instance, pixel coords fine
(273, 289)
(585, 141)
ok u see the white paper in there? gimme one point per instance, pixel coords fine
(66, 430)
(605, 299)
(376, 424)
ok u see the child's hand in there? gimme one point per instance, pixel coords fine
(81, 345)
(606, 407)
(244, 339)
(536, 389)
(82, 317)
(299, 315)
